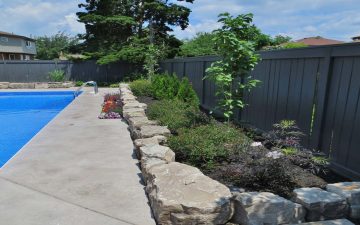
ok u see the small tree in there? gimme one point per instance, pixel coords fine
(233, 42)
(152, 57)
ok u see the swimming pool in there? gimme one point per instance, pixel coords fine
(24, 114)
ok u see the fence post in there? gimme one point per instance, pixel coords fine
(203, 83)
(184, 68)
(28, 70)
(172, 68)
(321, 98)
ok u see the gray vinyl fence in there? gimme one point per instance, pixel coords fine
(38, 70)
(319, 87)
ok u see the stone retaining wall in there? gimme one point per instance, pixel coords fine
(8, 85)
(182, 194)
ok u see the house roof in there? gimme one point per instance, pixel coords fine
(315, 41)
(6, 34)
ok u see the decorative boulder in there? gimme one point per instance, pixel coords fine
(4, 85)
(150, 141)
(55, 85)
(135, 112)
(22, 85)
(262, 208)
(134, 104)
(41, 85)
(320, 204)
(137, 122)
(157, 151)
(152, 130)
(351, 192)
(181, 194)
(67, 85)
(147, 164)
(148, 131)
(156, 140)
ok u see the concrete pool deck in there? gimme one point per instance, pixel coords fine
(78, 170)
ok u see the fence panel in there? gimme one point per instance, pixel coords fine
(38, 70)
(318, 87)
(342, 122)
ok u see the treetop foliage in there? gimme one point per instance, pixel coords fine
(50, 47)
(121, 29)
(204, 44)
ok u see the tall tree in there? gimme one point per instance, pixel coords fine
(122, 29)
(50, 47)
(200, 45)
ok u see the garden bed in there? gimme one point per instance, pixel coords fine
(250, 164)
(245, 166)
(236, 157)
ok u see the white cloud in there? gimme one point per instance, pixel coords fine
(73, 24)
(338, 19)
(204, 26)
(39, 17)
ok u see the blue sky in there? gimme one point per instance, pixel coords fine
(336, 19)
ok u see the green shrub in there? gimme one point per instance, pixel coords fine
(205, 146)
(141, 87)
(57, 75)
(186, 93)
(176, 114)
(165, 86)
(294, 45)
(289, 151)
(116, 85)
(79, 83)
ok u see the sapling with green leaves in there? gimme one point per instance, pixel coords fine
(234, 43)
(152, 57)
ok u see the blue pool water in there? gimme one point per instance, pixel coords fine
(23, 114)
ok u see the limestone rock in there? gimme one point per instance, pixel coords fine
(135, 112)
(41, 85)
(22, 85)
(127, 97)
(148, 131)
(4, 85)
(181, 194)
(55, 85)
(128, 100)
(156, 140)
(137, 122)
(150, 141)
(350, 191)
(124, 85)
(134, 105)
(147, 164)
(329, 222)
(157, 151)
(125, 93)
(320, 204)
(67, 85)
(260, 208)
